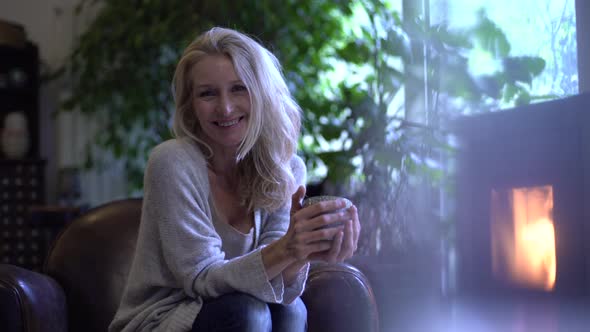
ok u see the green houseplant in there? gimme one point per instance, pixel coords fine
(357, 128)
(382, 150)
(123, 63)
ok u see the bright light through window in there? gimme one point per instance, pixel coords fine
(544, 28)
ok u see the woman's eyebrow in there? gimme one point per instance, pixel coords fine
(207, 85)
(200, 86)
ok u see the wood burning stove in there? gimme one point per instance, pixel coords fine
(523, 200)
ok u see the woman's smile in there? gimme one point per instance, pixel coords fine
(228, 123)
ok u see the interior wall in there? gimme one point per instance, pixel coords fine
(53, 27)
(46, 24)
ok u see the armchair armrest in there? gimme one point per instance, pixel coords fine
(339, 297)
(30, 301)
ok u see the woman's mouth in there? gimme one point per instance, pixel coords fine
(229, 123)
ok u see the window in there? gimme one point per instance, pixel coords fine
(544, 28)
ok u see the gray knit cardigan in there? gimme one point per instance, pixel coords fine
(179, 260)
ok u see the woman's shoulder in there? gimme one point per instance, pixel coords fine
(177, 149)
(298, 168)
(177, 153)
(296, 162)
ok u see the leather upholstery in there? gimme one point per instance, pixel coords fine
(30, 301)
(342, 293)
(89, 262)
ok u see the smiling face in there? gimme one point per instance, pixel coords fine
(221, 102)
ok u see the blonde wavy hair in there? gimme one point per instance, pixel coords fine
(263, 156)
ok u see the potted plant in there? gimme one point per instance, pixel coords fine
(358, 129)
(380, 151)
(122, 65)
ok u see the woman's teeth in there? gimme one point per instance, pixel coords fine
(228, 123)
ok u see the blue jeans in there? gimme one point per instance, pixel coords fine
(245, 313)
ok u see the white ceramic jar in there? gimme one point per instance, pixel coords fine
(15, 135)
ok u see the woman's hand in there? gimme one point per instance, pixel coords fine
(342, 240)
(345, 242)
(306, 238)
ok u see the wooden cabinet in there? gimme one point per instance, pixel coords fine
(21, 187)
(22, 180)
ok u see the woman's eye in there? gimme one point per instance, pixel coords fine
(239, 88)
(206, 93)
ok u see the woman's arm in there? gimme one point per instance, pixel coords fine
(288, 253)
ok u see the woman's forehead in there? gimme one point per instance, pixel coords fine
(214, 67)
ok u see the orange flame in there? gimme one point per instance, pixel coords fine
(523, 237)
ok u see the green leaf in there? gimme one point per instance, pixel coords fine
(392, 79)
(490, 85)
(356, 51)
(450, 39)
(397, 43)
(510, 90)
(331, 132)
(339, 165)
(523, 98)
(535, 65)
(523, 68)
(489, 37)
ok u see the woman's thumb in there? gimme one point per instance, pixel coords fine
(296, 199)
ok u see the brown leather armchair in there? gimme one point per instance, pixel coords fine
(86, 269)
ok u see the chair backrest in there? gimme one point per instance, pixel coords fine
(91, 259)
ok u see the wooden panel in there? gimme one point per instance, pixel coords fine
(21, 187)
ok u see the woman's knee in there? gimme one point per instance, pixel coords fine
(250, 313)
(289, 317)
(234, 312)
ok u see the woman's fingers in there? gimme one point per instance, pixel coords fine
(326, 219)
(347, 242)
(356, 226)
(320, 208)
(309, 250)
(334, 253)
(324, 234)
(320, 240)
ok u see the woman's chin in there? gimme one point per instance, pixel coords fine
(226, 145)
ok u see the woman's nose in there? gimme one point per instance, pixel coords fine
(226, 105)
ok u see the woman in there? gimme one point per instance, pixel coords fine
(224, 244)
